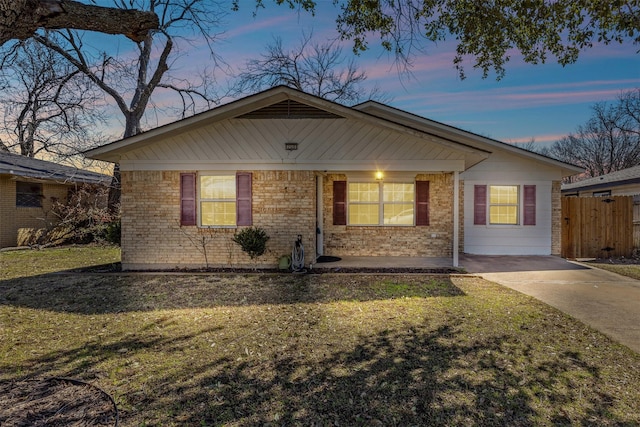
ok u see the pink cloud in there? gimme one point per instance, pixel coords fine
(498, 99)
(538, 139)
(253, 25)
(561, 97)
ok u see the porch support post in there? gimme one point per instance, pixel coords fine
(456, 217)
(319, 216)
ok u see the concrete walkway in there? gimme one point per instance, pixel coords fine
(605, 301)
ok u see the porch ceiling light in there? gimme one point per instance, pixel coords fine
(379, 175)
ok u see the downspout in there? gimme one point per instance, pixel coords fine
(456, 217)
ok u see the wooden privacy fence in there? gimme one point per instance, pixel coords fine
(597, 227)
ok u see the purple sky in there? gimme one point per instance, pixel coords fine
(544, 102)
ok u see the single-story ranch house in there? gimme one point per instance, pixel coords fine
(28, 189)
(368, 180)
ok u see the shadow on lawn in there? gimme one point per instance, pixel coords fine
(417, 376)
(413, 377)
(99, 294)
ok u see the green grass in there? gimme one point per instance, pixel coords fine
(34, 262)
(330, 349)
(629, 270)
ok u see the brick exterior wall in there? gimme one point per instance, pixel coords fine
(341, 240)
(283, 203)
(556, 218)
(13, 218)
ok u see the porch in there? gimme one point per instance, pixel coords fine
(387, 262)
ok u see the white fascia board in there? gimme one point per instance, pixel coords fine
(232, 109)
(464, 137)
(334, 166)
(112, 152)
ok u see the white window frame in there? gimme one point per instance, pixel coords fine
(381, 203)
(201, 199)
(518, 205)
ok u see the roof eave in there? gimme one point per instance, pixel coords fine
(470, 138)
(112, 152)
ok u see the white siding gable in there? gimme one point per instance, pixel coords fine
(323, 144)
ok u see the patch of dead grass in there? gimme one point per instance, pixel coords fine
(629, 270)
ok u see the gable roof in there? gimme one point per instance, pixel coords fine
(466, 137)
(622, 177)
(27, 167)
(282, 102)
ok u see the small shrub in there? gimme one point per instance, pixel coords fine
(252, 240)
(112, 232)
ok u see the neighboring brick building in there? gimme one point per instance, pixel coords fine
(28, 187)
(367, 180)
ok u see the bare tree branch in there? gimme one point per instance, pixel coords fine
(609, 141)
(48, 105)
(20, 19)
(317, 68)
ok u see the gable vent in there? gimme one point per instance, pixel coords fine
(289, 110)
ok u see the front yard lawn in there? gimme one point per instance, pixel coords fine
(322, 349)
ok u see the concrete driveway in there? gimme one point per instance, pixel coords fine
(606, 301)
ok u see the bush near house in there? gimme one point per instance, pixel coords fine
(83, 218)
(252, 240)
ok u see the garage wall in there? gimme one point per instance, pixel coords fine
(507, 169)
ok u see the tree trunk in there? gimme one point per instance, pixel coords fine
(115, 190)
(19, 19)
(132, 127)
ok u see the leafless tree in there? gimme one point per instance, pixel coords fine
(529, 145)
(131, 81)
(20, 19)
(317, 68)
(48, 106)
(609, 141)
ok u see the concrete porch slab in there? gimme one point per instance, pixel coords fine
(387, 262)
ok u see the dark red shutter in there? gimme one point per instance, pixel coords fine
(529, 205)
(243, 199)
(480, 204)
(422, 202)
(339, 202)
(187, 199)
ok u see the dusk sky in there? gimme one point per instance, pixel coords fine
(544, 102)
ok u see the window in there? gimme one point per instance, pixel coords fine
(28, 194)
(504, 204)
(364, 203)
(374, 203)
(398, 203)
(220, 200)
